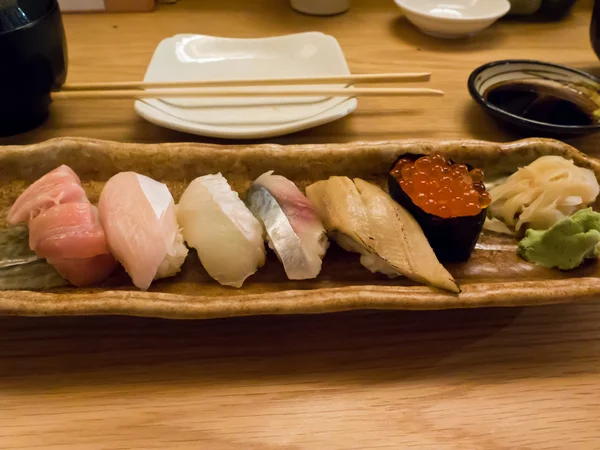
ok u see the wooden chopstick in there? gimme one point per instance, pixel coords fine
(346, 79)
(314, 92)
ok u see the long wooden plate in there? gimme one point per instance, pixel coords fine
(494, 276)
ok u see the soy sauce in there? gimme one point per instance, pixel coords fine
(557, 105)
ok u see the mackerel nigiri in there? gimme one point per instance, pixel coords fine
(138, 216)
(227, 237)
(294, 230)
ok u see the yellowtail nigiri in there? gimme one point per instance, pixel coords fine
(138, 216)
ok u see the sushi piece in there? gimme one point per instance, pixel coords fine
(363, 218)
(448, 200)
(294, 230)
(86, 271)
(71, 238)
(345, 218)
(227, 237)
(64, 227)
(70, 230)
(138, 217)
(61, 185)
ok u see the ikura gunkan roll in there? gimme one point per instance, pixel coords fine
(447, 199)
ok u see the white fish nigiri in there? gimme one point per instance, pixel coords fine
(227, 237)
(138, 217)
(294, 230)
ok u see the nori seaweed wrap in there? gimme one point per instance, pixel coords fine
(448, 200)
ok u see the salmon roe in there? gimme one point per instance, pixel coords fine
(442, 188)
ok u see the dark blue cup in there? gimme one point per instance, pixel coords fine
(33, 62)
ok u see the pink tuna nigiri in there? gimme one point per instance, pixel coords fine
(64, 227)
(295, 231)
(70, 230)
(86, 271)
(138, 217)
(61, 185)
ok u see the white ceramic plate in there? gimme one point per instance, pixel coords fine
(453, 18)
(195, 57)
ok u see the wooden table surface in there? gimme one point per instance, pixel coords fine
(526, 378)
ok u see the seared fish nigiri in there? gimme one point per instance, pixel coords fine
(294, 230)
(363, 218)
(227, 237)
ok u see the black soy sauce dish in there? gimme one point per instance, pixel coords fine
(452, 239)
(535, 98)
(33, 62)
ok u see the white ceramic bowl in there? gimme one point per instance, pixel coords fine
(453, 19)
(195, 57)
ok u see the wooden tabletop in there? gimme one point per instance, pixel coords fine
(525, 378)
